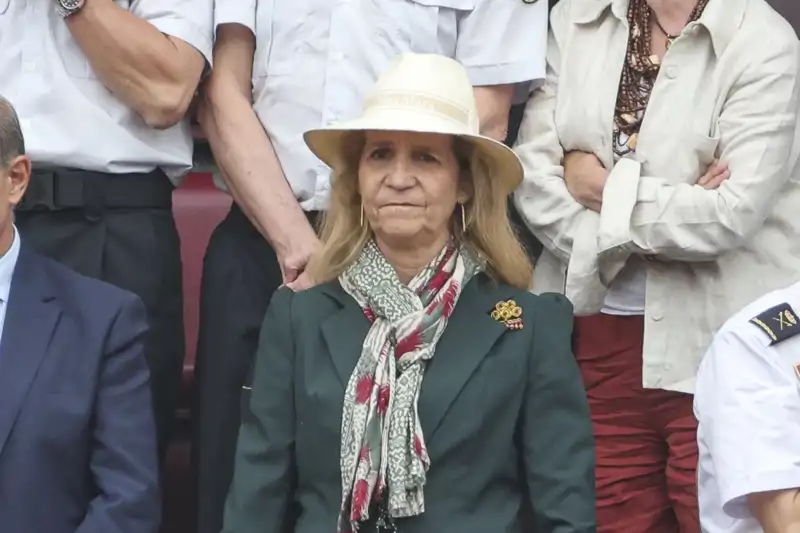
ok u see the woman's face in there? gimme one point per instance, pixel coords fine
(410, 184)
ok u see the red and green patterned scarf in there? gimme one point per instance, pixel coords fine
(383, 452)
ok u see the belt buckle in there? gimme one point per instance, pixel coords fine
(41, 192)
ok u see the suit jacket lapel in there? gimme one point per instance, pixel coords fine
(470, 335)
(344, 332)
(30, 321)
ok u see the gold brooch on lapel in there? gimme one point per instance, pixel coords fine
(509, 313)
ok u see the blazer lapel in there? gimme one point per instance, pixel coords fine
(470, 335)
(344, 332)
(30, 321)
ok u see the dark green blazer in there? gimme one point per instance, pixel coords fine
(503, 412)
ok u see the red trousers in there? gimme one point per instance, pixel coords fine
(645, 438)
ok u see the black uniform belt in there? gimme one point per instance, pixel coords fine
(61, 189)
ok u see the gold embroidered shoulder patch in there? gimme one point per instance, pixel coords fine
(779, 323)
(508, 313)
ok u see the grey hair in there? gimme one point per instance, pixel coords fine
(12, 142)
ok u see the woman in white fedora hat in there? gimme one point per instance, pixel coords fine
(419, 387)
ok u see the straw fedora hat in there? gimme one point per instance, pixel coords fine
(422, 93)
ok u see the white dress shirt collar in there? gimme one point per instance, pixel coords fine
(7, 263)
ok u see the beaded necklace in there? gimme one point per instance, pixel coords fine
(639, 74)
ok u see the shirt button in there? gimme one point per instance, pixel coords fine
(656, 315)
(338, 56)
(672, 72)
(29, 66)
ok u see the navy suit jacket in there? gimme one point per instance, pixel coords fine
(77, 436)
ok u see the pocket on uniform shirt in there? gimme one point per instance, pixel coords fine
(462, 5)
(428, 18)
(264, 14)
(75, 62)
(281, 28)
(72, 57)
(77, 66)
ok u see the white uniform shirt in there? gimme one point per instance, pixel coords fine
(317, 59)
(8, 262)
(748, 404)
(68, 117)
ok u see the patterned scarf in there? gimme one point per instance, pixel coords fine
(383, 453)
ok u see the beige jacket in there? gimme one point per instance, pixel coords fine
(728, 88)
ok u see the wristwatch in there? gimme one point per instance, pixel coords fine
(66, 8)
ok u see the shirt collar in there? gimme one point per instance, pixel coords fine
(7, 263)
(721, 18)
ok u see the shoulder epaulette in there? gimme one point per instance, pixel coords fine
(779, 323)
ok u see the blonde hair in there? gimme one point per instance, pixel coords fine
(489, 232)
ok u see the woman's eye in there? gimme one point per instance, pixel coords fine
(425, 157)
(379, 153)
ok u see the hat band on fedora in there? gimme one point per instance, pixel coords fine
(419, 102)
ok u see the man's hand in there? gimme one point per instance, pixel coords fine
(717, 173)
(585, 177)
(293, 264)
(247, 159)
(302, 282)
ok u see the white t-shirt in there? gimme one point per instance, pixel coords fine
(747, 402)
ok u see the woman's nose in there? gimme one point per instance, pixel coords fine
(400, 175)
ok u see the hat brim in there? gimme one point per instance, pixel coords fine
(504, 165)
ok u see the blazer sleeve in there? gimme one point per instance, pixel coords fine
(123, 457)
(264, 472)
(558, 446)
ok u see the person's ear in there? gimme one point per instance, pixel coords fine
(466, 189)
(19, 175)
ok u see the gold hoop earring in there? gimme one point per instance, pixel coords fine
(463, 219)
(361, 221)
